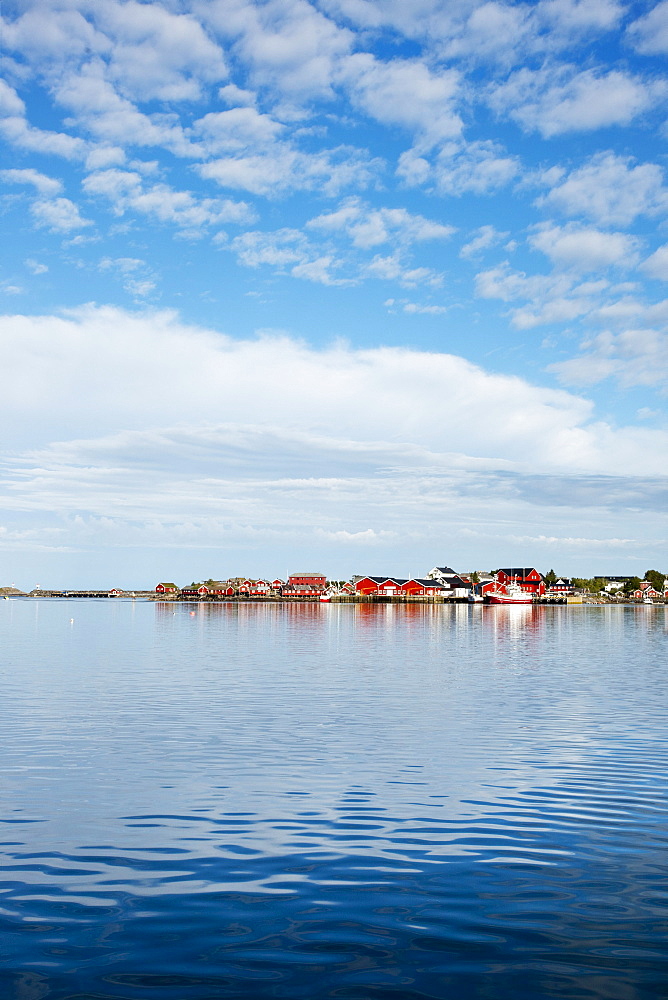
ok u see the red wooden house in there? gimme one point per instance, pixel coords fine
(526, 577)
(307, 579)
(166, 588)
(390, 586)
(422, 588)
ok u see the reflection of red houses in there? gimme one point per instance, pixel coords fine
(527, 578)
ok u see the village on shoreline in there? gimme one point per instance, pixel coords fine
(441, 584)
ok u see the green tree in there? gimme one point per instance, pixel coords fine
(632, 585)
(550, 577)
(475, 578)
(655, 578)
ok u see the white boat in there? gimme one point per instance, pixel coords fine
(512, 594)
(329, 594)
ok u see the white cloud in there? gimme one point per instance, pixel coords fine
(113, 119)
(609, 189)
(281, 168)
(52, 33)
(237, 130)
(278, 249)
(394, 268)
(10, 102)
(484, 238)
(35, 267)
(656, 266)
(550, 298)
(137, 278)
(477, 167)
(59, 215)
(20, 133)
(264, 443)
(414, 308)
(105, 362)
(406, 93)
(649, 34)
(157, 54)
(289, 47)
(369, 227)
(634, 357)
(45, 185)
(582, 249)
(558, 99)
(127, 192)
(485, 31)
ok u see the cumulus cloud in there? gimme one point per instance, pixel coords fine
(44, 185)
(369, 227)
(649, 34)
(18, 132)
(60, 215)
(489, 31)
(458, 168)
(158, 54)
(583, 249)
(483, 238)
(281, 168)
(656, 266)
(634, 357)
(127, 191)
(406, 93)
(548, 298)
(608, 188)
(555, 100)
(290, 48)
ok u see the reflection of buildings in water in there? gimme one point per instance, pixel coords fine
(515, 624)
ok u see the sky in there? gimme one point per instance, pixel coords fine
(356, 286)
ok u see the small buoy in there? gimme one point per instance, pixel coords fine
(192, 614)
(71, 621)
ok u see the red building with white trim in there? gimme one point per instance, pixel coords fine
(527, 579)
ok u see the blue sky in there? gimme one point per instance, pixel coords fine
(343, 285)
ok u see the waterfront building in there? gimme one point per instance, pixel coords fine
(527, 578)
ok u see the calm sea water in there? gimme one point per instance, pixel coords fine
(332, 802)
